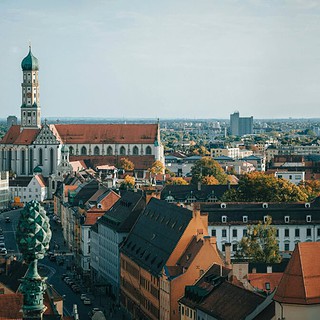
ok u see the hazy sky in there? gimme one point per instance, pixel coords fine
(164, 58)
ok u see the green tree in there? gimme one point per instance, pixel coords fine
(177, 181)
(209, 180)
(206, 166)
(260, 243)
(311, 188)
(128, 183)
(157, 167)
(260, 187)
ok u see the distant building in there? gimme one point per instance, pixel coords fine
(240, 126)
(12, 121)
(4, 189)
(292, 176)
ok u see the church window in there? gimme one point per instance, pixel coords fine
(29, 113)
(23, 162)
(135, 150)
(71, 150)
(30, 161)
(109, 151)
(148, 150)
(40, 157)
(51, 161)
(122, 151)
(83, 151)
(96, 151)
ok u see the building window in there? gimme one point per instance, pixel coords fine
(308, 218)
(224, 233)
(308, 232)
(148, 150)
(286, 232)
(297, 232)
(234, 247)
(23, 163)
(318, 232)
(71, 150)
(51, 161)
(244, 232)
(83, 151)
(109, 151)
(277, 233)
(224, 219)
(213, 233)
(286, 247)
(223, 247)
(135, 151)
(265, 218)
(286, 219)
(96, 151)
(122, 151)
(234, 233)
(245, 219)
(267, 286)
(40, 157)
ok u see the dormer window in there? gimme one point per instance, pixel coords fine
(224, 219)
(286, 219)
(308, 218)
(245, 219)
(265, 218)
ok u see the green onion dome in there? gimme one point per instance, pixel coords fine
(30, 62)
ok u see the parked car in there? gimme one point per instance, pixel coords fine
(87, 301)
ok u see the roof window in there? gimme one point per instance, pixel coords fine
(286, 219)
(308, 218)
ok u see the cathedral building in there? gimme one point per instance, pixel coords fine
(50, 146)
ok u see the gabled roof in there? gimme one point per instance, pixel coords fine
(107, 133)
(261, 280)
(84, 192)
(300, 282)
(40, 180)
(14, 136)
(155, 234)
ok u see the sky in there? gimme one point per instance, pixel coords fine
(164, 59)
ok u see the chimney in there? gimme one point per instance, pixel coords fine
(228, 254)
(196, 210)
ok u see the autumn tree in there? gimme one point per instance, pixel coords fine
(260, 243)
(126, 164)
(260, 187)
(206, 166)
(209, 180)
(177, 181)
(311, 188)
(157, 167)
(128, 183)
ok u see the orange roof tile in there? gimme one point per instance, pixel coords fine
(107, 133)
(92, 218)
(77, 165)
(11, 305)
(14, 136)
(300, 282)
(259, 280)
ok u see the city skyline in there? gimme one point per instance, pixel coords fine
(120, 59)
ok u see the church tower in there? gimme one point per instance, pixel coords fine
(30, 108)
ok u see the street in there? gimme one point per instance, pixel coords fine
(54, 272)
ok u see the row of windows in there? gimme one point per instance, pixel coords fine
(244, 232)
(224, 219)
(123, 151)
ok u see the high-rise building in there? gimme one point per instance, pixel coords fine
(240, 126)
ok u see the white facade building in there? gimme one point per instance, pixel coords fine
(292, 176)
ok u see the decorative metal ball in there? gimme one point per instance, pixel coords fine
(33, 232)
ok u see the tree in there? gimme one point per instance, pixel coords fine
(311, 188)
(260, 187)
(177, 181)
(206, 166)
(157, 167)
(260, 243)
(209, 180)
(126, 164)
(128, 183)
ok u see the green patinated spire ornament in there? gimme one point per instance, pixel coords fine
(33, 239)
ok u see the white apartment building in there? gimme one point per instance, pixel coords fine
(295, 222)
(292, 176)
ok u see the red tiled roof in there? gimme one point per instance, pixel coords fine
(69, 188)
(300, 282)
(11, 306)
(107, 133)
(92, 218)
(14, 136)
(259, 280)
(140, 162)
